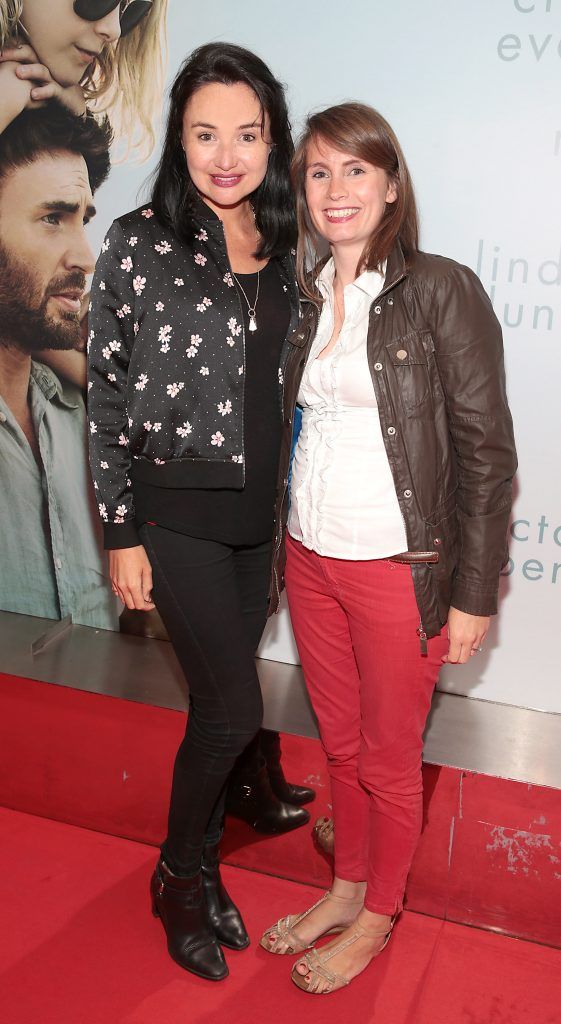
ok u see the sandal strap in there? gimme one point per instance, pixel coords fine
(316, 962)
(317, 966)
(344, 900)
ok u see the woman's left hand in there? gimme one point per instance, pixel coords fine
(466, 634)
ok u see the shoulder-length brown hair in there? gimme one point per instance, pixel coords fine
(360, 130)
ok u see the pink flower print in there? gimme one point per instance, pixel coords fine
(202, 236)
(136, 327)
(240, 370)
(111, 377)
(104, 465)
(184, 430)
(156, 427)
(103, 511)
(196, 340)
(102, 286)
(228, 279)
(138, 284)
(179, 282)
(159, 306)
(234, 327)
(237, 458)
(174, 389)
(230, 341)
(148, 212)
(129, 421)
(105, 245)
(204, 370)
(123, 440)
(121, 510)
(217, 439)
(147, 425)
(160, 462)
(123, 310)
(126, 264)
(93, 427)
(141, 382)
(225, 408)
(114, 346)
(133, 240)
(200, 260)
(193, 348)
(106, 352)
(90, 385)
(203, 306)
(163, 247)
(281, 378)
(165, 346)
(164, 332)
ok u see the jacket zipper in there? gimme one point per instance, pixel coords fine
(278, 539)
(243, 350)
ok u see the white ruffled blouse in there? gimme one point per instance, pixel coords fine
(343, 499)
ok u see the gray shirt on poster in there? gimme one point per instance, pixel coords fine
(51, 558)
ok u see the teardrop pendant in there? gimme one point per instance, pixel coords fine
(252, 320)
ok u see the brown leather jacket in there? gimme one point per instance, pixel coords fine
(436, 358)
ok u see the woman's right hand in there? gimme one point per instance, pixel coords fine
(25, 82)
(131, 577)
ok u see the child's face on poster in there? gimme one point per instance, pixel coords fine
(66, 43)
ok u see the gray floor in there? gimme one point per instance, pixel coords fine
(495, 739)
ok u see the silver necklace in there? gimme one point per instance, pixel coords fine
(251, 309)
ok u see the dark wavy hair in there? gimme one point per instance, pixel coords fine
(360, 130)
(51, 128)
(173, 192)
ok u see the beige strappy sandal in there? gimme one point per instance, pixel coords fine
(285, 938)
(316, 962)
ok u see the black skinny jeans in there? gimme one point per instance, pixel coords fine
(213, 601)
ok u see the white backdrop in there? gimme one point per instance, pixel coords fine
(472, 88)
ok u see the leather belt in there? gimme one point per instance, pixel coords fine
(412, 557)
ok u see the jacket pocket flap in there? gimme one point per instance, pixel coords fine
(411, 349)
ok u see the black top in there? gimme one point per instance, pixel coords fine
(238, 517)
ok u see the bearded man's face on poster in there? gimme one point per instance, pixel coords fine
(44, 253)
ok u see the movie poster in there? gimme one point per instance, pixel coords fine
(81, 83)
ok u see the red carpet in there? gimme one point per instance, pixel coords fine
(489, 854)
(79, 946)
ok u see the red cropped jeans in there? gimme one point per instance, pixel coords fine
(355, 623)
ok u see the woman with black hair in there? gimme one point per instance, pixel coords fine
(193, 298)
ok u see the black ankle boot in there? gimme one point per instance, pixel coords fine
(251, 798)
(225, 917)
(180, 904)
(287, 791)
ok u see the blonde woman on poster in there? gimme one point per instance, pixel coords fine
(101, 54)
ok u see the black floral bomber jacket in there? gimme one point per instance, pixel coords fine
(166, 364)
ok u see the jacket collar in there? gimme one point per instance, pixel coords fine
(396, 268)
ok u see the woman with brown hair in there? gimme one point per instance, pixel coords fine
(399, 502)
